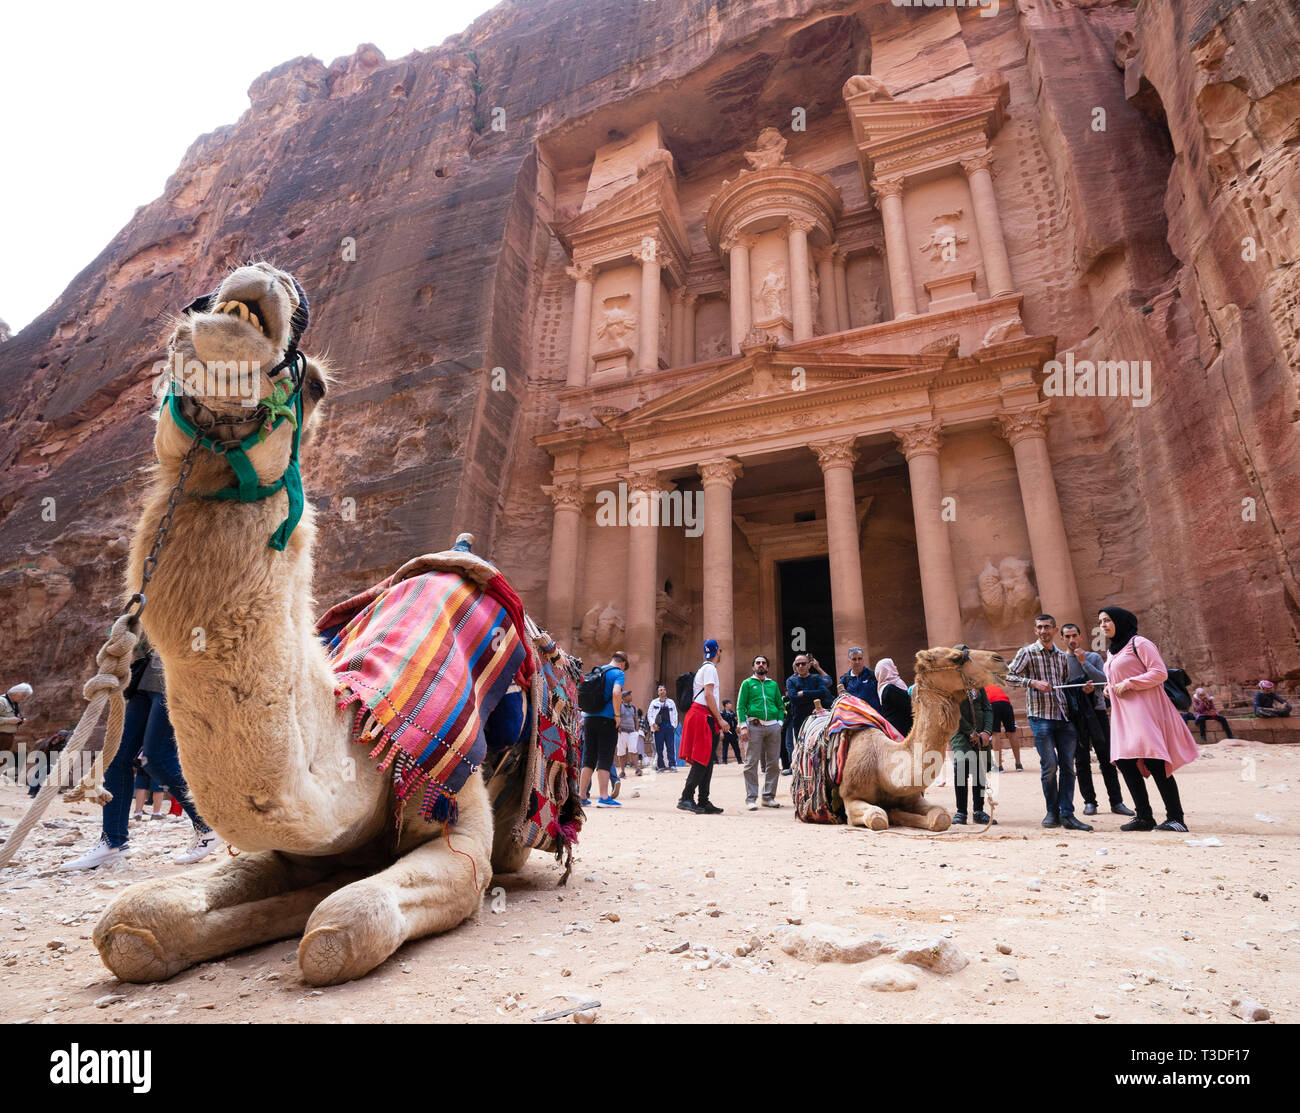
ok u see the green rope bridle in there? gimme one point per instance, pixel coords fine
(279, 408)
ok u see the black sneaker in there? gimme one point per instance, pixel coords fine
(958, 817)
(1172, 825)
(1121, 809)
(688, 806)
(1072, 824)
(1139, 824)
(983, 817)
(1089, 809)
(1050, 820)
(710, 809)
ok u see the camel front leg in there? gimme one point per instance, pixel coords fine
(929, 817)
(862, 814)
(156, 929)
(430, 889)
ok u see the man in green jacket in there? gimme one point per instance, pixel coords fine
(760, 712)
(971, 752)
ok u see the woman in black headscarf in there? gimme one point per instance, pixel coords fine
(1148, 738)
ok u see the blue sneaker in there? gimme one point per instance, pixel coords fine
(584, 801)
(608, 802)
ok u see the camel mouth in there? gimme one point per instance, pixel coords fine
(248, 310)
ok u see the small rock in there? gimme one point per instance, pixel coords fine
(109, 999)
(940, 955)
(587, 1016)
(1247, 1009)
(1004, 948)
(1211, 841)
(888, 978)
(710, 873)
(612, 917)
(1035, 885)
(54, 944)
(1101, 1014)
(683, 946)
(1009, 975)
(828, 943)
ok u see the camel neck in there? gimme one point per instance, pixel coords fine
(934, 720)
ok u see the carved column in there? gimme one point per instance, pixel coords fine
(800, 287)
(889, 191)
(1026, 430)
(920, 444)
(988, 222)
(840, 264)
(566, 536)
(826, 282)
(688, 321)
(678, 327)
(737, 246)
(582, 276)
(642, 584)
(651, 287)
(719, 616)
(848, 607)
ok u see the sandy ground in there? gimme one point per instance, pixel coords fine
(1136, 927)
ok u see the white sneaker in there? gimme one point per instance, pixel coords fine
(97, 857)
(203, 845)
(751, 806)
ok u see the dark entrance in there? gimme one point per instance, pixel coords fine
(804, 594)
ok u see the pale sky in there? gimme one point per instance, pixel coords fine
(99, 102)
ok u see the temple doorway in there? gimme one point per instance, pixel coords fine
(804, 602)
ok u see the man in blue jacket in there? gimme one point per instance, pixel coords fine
(810, 682)
(860, 681)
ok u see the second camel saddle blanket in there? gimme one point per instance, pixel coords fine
(819, 755)
(428, 654)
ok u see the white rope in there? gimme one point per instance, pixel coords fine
(105, 687)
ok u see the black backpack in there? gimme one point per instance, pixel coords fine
(591, 691)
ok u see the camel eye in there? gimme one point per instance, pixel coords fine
(317, 387)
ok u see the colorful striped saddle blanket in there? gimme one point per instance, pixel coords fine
(819, 755)
(427, 655)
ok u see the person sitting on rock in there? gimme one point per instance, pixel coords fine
(1269, 705)
(1203, 710)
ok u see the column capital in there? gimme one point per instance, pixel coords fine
(648, 252)
(841, 453)
(722, 472)
(581, 272)
(800, 223)
(888, 187)
(642, 482)
(838, 255)
(1024, 423)
(737, 239)
(824, 254)
(565, 496)
(976, 162)
(920, 440)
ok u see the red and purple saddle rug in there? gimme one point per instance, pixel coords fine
(427, 655)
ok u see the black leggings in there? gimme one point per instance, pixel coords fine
(970, 767)
(698, 779)
(1164, 782)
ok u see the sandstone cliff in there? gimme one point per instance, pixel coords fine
(420, 231)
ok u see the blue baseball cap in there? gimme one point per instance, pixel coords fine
(710, 649)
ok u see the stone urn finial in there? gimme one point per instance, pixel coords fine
(770, 150)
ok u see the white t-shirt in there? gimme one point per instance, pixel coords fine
(707, 673)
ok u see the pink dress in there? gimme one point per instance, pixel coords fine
(1144, 724)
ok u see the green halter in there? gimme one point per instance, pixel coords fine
(281, 408)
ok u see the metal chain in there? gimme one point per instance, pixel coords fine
(135, 606)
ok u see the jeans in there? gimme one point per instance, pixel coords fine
(765, 746)
(1054, 739)
(146, 729)
(664, 748)
(1201, 720)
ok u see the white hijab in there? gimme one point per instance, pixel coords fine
(887, 673)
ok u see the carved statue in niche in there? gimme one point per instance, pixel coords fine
(865, 83)
(770, 150)
(771, 294)
(815, 294)
(617, 324)
(602, 630)
(942, 243)
(1007, 595)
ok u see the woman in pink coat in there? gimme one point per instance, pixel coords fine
(1148, 738)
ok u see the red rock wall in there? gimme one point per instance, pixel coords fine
(454, 275)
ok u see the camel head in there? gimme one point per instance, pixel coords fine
(952, 671)
(228, 353)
